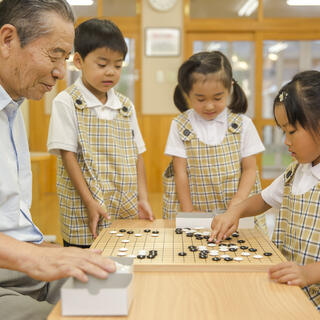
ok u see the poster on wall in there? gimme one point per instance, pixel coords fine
(162, 42)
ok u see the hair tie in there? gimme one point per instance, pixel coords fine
(283, 95)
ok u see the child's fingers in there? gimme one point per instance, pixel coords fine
(286, 278)
(295, 282)
(93, 228)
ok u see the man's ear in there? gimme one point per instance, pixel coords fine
(77, 60)
(8, 39)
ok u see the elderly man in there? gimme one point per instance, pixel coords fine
(36, 37)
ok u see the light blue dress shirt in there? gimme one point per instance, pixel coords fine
(15, 174)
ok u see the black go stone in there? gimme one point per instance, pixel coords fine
(122, 230)
(211, 241)
(155, 231)
(222, 244)
(189, 234)
(205, 251)
(153, 252)
(182, 254)
(206, 237)
(243, 247)
(252, 249)
(199, 237)
(151, 256)
(229, 238)
(130, 232)
(267, 254)
(193, 249)
(233, 249)
(241, 241)
(203, 256)
(235, 234)
(141, 256)
(216, 259)
(231, 244)
(179, 231)
(147, 230)
(228, 259)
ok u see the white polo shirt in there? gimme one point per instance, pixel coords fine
(212, 132)
(63, 127)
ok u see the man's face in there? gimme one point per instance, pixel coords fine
(34, 69)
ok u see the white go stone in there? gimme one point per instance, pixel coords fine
(119, 234)
(237, 259)
(211, 244)
(213, 253)
(257, 256)
(225, 256)
(123, 249)
(125, 240)
(154, 235)
(202, 248)
(223, 249)
(113, 231)
(131, 256)
(245, 254)
(122, 253)
(206, 233)
(138, 235)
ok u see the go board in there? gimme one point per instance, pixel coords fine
(171, 249)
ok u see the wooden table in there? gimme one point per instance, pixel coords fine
(208, 295)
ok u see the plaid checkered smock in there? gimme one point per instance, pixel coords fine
(107, 160)
(214, 171)
(297, 229)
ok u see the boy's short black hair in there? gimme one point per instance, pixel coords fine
(97, 33)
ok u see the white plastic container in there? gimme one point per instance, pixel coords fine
(108, 297)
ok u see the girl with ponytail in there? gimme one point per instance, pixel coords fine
(212, 143)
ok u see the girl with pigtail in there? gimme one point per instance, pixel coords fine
(212, 143)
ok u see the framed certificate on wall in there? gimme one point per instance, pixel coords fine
(162, 42)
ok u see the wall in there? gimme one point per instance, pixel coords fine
(159, 74)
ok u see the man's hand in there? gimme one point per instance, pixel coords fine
(50, 264)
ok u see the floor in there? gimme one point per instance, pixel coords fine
(45, 213)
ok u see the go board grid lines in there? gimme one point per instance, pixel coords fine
(168, 244)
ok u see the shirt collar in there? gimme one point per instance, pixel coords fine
(221, 118)
(315, 170)
(92, 101)
(5, 100)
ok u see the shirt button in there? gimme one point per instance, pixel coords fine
(234, 125)
(124, 109)
(186, 132)
(288, 174)
(78, 101)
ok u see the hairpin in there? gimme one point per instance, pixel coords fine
(282, 96)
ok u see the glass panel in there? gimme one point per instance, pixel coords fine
(276, 157)
(86, 11)
(116, 8)
(241, 55)
(223, 9)
(280, 9)
(282, 60)
(128, 76)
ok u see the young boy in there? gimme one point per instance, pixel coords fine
(94, 130)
